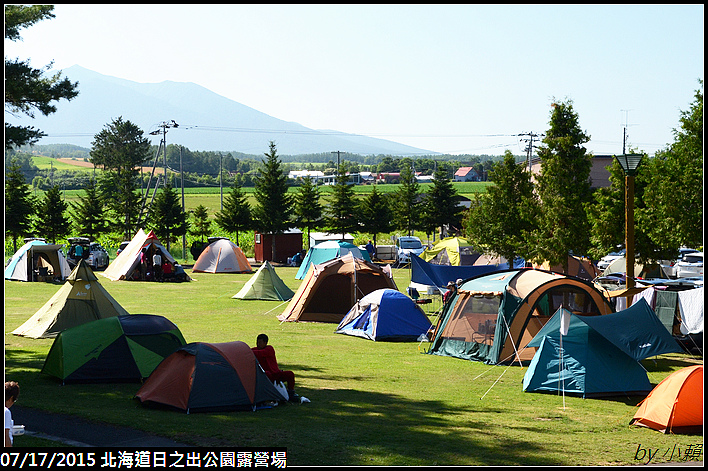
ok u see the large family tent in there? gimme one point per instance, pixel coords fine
(80, 300)
(117, 349)
(329, 250)
(577, 266)
(451, 251)
(430, 274)
(599, 355)
(38, 261)
(207, 377)
(493, 316)
(222, 256)
(385, 314)
(265, 284)
(676, 404)
(330, 289)
(127, 264)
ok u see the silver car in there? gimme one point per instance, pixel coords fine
(691, 265)
(98, 257)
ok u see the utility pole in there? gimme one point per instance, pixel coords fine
(624, 134)
(529, 148)
(164, 125)
(184, 236)
(337, 152)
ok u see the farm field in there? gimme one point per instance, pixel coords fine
(373, 403)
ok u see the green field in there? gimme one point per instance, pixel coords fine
(373, 403)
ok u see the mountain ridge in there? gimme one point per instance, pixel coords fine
(207, 121)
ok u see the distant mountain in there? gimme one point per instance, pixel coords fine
(208, 122)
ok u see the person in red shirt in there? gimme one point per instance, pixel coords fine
(265, 354)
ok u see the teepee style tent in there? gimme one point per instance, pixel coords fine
(37, 255)
(676, 404)
(206, 377)
(329, 250)
(385, 314)
(494, 316)
(599, 355)
(117, 349)
(127, 262)
(451, 251)
(222, 256)
(265, 284)
(330, 289)
(82, 299)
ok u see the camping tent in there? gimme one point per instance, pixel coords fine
(81, 299)
(126, 266)
(116, 349)
(493, 316)
(265, 284)
(430, 274)
(451, 251)
(203, 377)
(385, 314)
(619, 266)
(577, 266)
(676, 404)
(37, 260)
(599, 355)
(331, 288)
(222, 256)
(329, 250)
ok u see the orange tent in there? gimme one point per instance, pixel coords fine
(675, 404)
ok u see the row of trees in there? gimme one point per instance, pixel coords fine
(558, 214)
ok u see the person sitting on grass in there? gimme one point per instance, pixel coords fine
(265, 354)
(12, 391)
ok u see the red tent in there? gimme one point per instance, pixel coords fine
(204, 377)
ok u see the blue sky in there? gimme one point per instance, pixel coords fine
(451, 78)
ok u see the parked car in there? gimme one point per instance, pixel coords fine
(78, 249)
(609, 258)
(691, 265)
(669, 266)
(98, 257)
(407, 245)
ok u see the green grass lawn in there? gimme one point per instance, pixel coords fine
(373, 403)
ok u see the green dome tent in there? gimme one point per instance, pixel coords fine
(265, 284)
(117, 349)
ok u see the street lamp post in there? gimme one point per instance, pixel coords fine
(629, 164)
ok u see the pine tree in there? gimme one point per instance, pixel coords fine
(236, 215)
(342, 209)
(168, 219)
(441, 205)
(307, 207)
(201, 226)
(19, 204)
(500, 221)
(563, 189)
(52, 223)
(87, 213)
(406, 205)
(375, 214)
(271, 214)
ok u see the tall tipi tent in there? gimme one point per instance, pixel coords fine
(385, 314)
(116, 349)
(676, 404)
(329, 250)
(37, 255)
(125, 265)
(82, 299)
(206, 377)
(265, 284)
(222, 256)
(330, 289)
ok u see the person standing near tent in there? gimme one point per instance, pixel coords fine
(371, 249)
(265, 354)
(12, 391)
(157, 265)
